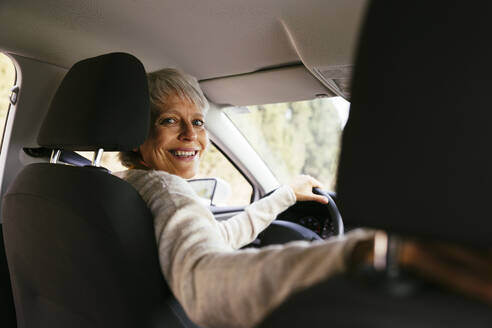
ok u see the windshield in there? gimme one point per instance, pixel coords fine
(296, 138)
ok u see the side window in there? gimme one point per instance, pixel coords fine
(7, 80)
(109, 160)
(215, 165)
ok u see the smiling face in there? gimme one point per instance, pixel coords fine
(177, 140)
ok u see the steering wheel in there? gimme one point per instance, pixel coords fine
(337, 227)
(305, 220)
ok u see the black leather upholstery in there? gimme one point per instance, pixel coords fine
(80, 242)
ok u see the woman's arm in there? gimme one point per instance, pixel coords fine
(243, 228)
(219, 287)
(238, 289)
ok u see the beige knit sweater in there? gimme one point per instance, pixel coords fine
(218, 285)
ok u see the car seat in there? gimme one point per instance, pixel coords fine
(80, 242)
(415, 162)
(7, 310)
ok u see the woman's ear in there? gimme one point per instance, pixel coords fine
(141, 162)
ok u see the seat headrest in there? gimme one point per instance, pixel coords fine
(103, 102)
(416, 156)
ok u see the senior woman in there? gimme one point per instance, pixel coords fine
(218, 285)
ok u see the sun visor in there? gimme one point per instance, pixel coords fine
(286, 84)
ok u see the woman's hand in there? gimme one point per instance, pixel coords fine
(303, 189)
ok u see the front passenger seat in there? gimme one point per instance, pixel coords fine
(415, 162)
(80, 242)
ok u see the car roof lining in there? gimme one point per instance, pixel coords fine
(208, 39)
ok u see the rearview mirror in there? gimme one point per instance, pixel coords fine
(212, 191)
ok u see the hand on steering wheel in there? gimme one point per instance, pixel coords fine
(311, 202)
(334, 214)
(307, 188)
(303, 186)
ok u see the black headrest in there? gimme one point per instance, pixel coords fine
(103, 102)
(416, 155)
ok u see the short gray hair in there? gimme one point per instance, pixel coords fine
(162, 84)
(170, 81)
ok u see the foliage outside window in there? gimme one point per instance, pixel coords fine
(296, 138)
(215, 165)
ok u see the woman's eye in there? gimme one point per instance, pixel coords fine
(198, 123)
(168, 120)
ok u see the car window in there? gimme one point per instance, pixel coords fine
(7, 80)
(297, 137)
(215, 164)
(109, 160)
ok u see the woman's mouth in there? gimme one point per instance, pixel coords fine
(184, 155)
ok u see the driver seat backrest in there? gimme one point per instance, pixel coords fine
(80, 242)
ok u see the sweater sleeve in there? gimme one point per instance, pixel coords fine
(238, 289)
(220, 287)
(243, 228)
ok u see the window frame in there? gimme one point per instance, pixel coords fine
(15, 89)
(255, 191)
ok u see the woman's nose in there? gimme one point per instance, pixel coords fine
(187, 131)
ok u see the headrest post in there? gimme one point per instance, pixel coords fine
(392, 256)
(55, 155)
(387, 253)
(380, 250)
(97, 157)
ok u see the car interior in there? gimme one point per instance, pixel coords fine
(78, 246)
